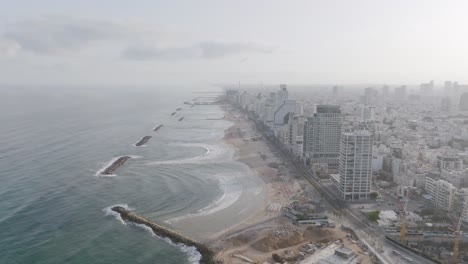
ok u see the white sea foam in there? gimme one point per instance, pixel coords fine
(213, 153)
(229, 197)
(103, 168)
(108, 211)
(192, 253)
(146, 228)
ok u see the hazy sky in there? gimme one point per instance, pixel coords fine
(150, 42)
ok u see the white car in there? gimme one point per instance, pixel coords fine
(408, 259)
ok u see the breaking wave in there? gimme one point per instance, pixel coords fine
(192, 253)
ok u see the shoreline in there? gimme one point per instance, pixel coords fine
(258, 192)
(264, 192)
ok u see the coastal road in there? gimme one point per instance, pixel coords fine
(389, 246)
(369, 234)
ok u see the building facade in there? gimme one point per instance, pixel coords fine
(355, 165)
(442, 193)
(322, 134)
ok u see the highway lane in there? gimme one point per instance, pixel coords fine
(389, 246)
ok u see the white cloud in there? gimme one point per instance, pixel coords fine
(54, 34)
(8, 48)
(204, 50)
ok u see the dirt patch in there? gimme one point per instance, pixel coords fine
(278, 239)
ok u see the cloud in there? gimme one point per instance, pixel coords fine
(53, 34)
(205, 50)
(8, 48)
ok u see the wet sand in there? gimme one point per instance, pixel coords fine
(261, 189)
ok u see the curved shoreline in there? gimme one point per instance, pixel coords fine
(207, 254)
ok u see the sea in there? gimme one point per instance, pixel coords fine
(55, 204)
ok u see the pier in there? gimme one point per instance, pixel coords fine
(143, 141)
(207, 254)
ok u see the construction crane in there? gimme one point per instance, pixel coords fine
(403, 218)
(403, 223)
(456, 242)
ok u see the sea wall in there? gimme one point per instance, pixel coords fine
(157, 128)
(207, 254)
(115, 165)
(143, 141)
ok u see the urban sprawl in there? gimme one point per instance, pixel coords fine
(389, 160)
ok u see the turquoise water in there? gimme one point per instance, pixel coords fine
(52, 143)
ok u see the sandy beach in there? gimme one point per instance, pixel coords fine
(263, 194)
(252, 227)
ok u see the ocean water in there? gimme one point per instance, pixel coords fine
(53, 141)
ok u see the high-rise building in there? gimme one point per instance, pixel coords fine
(282, 113)
(296, 131)
(355, 165)
(446, 104)
(448, 88)
(370, 96)
(322, 134)
(385, 91)
(427, 89)
(337, 91)
(282, 94)
(367, 113)
(464, 102)
(400, 93)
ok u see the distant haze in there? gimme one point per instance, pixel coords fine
(117, 42)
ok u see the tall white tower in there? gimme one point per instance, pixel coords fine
(355, 165)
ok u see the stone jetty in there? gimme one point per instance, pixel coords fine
(157, 128)
(115, 165)
(143, 141)
(207, 254)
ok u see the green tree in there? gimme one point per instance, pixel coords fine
(373, 195)
(374, 216)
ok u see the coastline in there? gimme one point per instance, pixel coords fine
(252, 206)
(253, 151)
(265, 191)
(243, 207)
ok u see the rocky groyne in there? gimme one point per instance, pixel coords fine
(207, 254)
(157, 128)
(115, 165)
(143, 141)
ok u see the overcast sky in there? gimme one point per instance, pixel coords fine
(106, 42)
